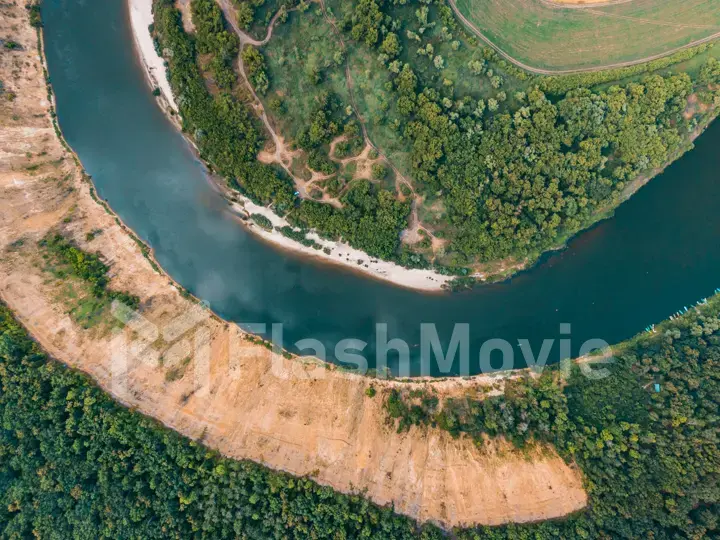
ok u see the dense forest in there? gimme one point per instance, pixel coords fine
(223, 129)
(515, 178)
(516, 167)
(74, 464)
(646, 437)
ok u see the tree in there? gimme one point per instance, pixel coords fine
(391, 45)
(245, 14)
(379, 171)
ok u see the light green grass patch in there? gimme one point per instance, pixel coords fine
(305, 42)
(555, 38)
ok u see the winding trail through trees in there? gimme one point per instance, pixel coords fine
(351, 94)
(399, 177)
(476, 31)
(282, 156)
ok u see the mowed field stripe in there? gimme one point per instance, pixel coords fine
(550, 39)
(650, 21)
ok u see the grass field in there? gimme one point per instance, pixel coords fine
(303, 44)
(547, 37)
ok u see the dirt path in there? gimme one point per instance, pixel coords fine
(409, 233)
(353, 103)
(412, 235)
(294, 415)
(231, 16)
(282, 155)
(475, 30)
(186, 13)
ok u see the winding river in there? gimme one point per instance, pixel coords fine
(660, 252)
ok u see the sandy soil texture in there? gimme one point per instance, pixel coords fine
(302, 417)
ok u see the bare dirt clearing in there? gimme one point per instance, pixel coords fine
(302, 417)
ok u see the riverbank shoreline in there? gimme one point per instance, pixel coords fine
(333, 252)
(141, 18)
(87, 189)
(341, 254)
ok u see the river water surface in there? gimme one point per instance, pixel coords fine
(660, 252)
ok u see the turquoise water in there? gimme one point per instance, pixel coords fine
(659, 253)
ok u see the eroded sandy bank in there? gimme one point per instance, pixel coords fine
(302, 417)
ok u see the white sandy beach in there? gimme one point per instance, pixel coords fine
(140, 19)
(340, 253)
(343, 254)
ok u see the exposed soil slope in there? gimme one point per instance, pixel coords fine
(302, 417)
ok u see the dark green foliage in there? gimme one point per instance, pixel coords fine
(519, 176)
(229, 139)
(333, 186)
(364, 24)
(276, 105)
(74, 464)
(221, 126)
(214, 39)
(415, 411)
(86, 266)
(342, 149)
(35, 15)
(245, 14)
(513, 184)
(323, 124)
(565, 83)
(263, 221)
(255, 67)
(527, 410)
(380, 171)
(516, 172)
(317, 161)
(370, 219)
(650, 459)
(299, 236)
(710, 72)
